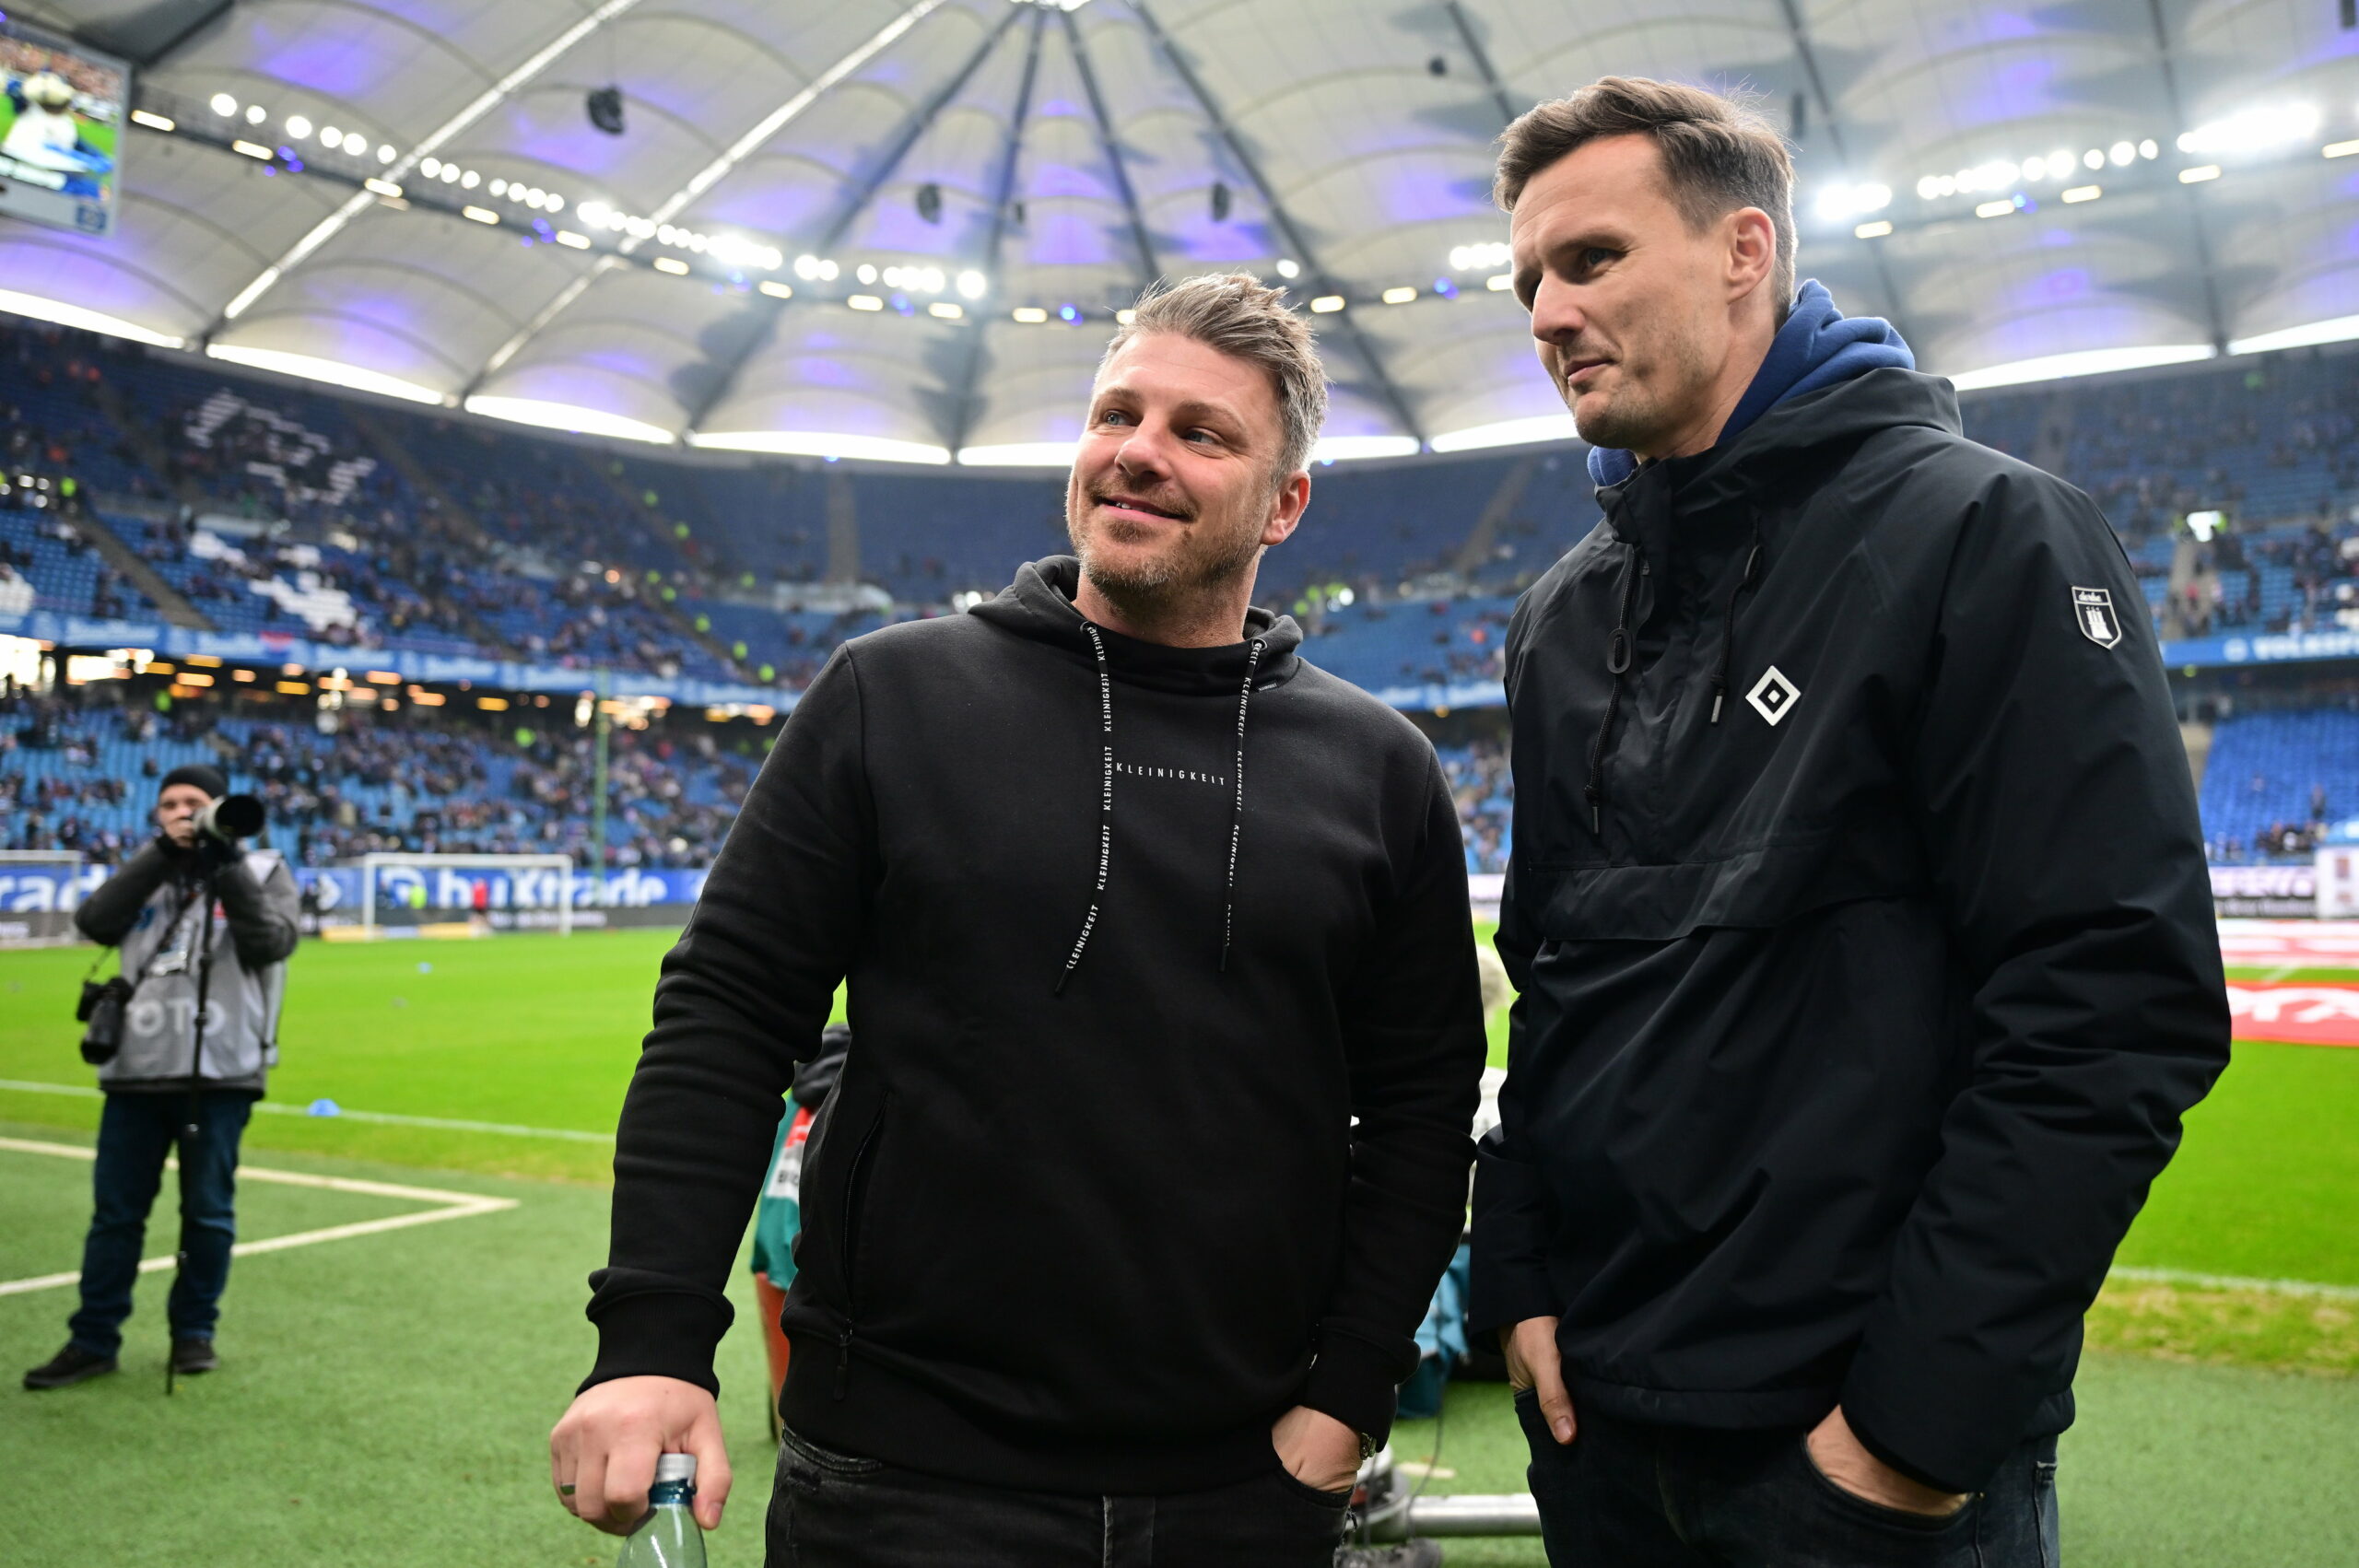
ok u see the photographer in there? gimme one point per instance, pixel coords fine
(195, 917)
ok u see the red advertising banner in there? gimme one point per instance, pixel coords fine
(2308, 944)
(2308, 1014)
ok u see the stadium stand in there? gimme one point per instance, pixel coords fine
(425, 781)
(272, 507)
(2276, 781)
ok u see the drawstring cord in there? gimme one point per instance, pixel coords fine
(1105, 802)
(1618, 664)
(1236, 806)
(1728, 635)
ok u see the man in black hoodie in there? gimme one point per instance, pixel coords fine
(1154, 1140)
(1858, 904)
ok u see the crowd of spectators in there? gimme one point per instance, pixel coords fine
(1484, 789)
(77, 772)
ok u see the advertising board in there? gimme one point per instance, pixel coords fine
(62, 109)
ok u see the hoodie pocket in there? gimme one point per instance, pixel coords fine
(842, 1202)
(855, 1202)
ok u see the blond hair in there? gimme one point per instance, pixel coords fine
(1234, 313)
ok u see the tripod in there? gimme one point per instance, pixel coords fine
(190, 1130)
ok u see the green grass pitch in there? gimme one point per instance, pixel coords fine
(386, 1398)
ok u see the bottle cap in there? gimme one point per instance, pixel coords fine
(676, 1466)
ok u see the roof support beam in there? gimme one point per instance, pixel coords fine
(737, 152)
(491, 98)
(1148, 269)
(912, 129)
(963, 411)
(150, 38)
(771, 310)
(1482, 59)
(1323, 280)
(2215, 319)
(1808, 56)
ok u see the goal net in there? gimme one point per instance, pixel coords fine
(521, 892)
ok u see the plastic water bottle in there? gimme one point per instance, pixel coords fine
(667, 1536)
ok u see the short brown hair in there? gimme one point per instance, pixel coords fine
(1234, 313)
(1717, 155)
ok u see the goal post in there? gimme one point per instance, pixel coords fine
(466, 884)
(39, 892)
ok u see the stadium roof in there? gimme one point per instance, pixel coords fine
(707, 277)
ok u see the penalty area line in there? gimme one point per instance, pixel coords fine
(449, 1205)
(387, 1118)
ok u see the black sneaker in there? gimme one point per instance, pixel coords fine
(68, 1367)
(193, 1356)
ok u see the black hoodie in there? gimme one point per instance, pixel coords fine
(1155, 1121)
(1860, 915)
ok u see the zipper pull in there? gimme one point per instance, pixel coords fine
(843, 1358)
(1718, 695)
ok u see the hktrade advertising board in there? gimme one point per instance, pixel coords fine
(62, 109)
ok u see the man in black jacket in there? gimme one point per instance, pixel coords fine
(162, 1093)
(1154, 1140)
(1858, 903)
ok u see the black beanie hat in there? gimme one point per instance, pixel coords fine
(208, 779)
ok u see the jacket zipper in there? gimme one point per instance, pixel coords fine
(851, 1219)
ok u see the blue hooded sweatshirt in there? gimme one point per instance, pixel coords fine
(1818, 346)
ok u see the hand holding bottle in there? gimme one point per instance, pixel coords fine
(602, 1453)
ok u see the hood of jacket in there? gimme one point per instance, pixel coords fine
(1039, 605)
(1817, 347)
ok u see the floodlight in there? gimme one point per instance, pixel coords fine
(256, 114)
(1289, 268)
(2253, 130)
(297, 127)
(224, 104)
(972, 284)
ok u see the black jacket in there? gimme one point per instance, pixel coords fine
(1087, 1209)
(1854, 1025)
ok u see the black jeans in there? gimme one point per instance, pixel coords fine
(833, 1510)
(1626, 1495)
(135, 1133)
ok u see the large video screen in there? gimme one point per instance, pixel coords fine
(61, 110)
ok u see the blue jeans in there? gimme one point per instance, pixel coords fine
(836, 1510)
(135, 1134)
(1623, 1494)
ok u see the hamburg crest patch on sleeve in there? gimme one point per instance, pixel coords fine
(2093, 612)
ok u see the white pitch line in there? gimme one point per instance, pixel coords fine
(389, 1119)
(2235, 1283)
(454, 1206)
